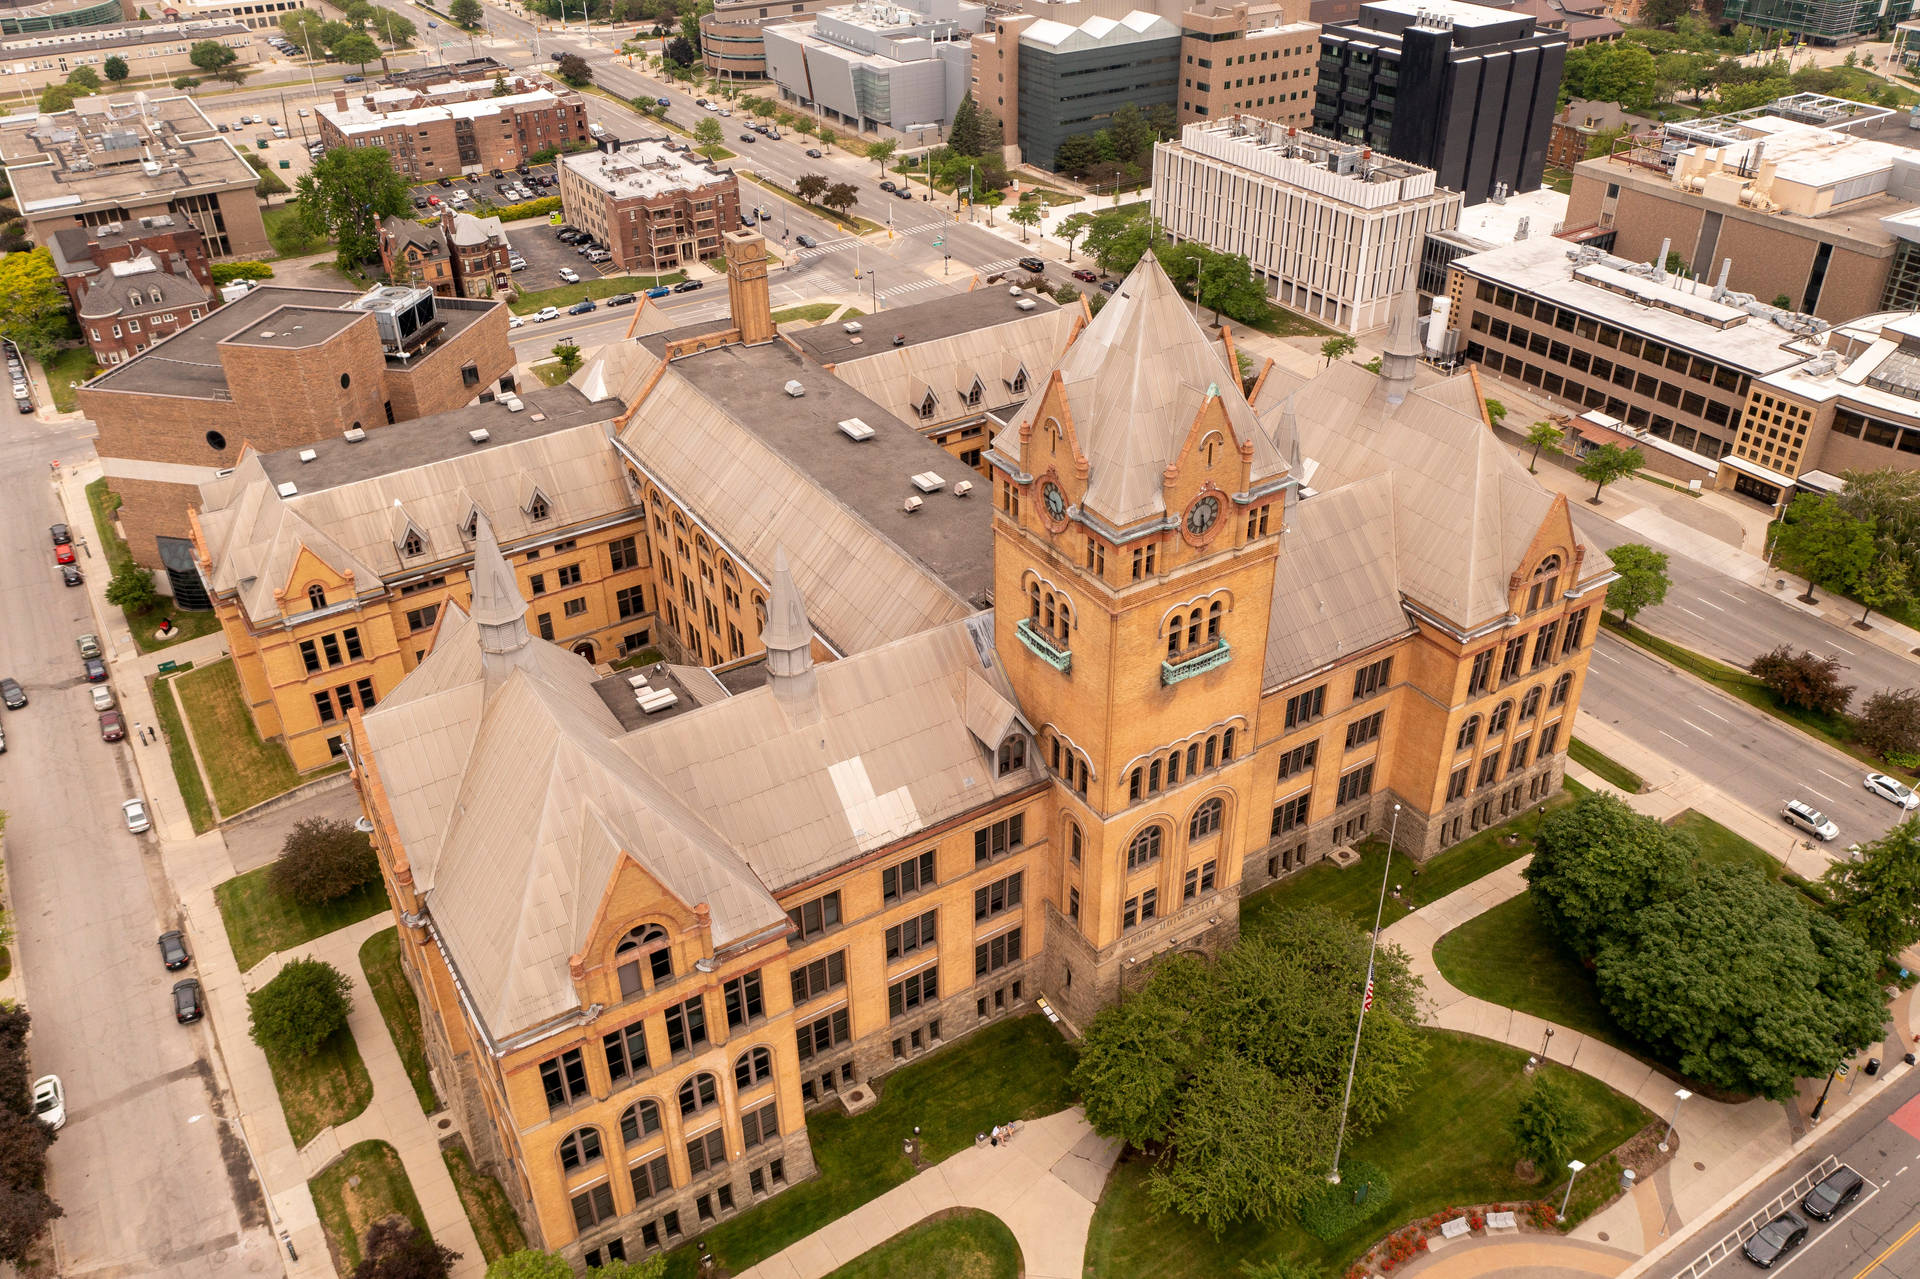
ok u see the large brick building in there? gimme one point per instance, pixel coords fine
(138, 302)
(970, 747)
(450, 129)
(655, 207)
(277, 368)
(1242, 59)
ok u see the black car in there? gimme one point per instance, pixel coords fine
(187, 1005)
(522, 169)
(60, 535)
(1835, 1191)
(581, 307)
(12, 694)
(888, 185)
(1035, 265)
(498, 174)
(687, 286)
(806, 241)
(620, 299)
(813, 153)
(748, 137)
(419, 201)
(446, 182)
(96, 670)
(70, 575)
(1775, 1240)
(173, 951)
(904, 193)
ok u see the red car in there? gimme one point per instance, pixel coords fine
(1085, 277)
(112, 727)
(63, 554)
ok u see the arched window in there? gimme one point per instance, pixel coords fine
(679, 521)
(579, 1148)
(472, 527)
(1530, 704)
(412, 544)
(755, 1067)
(1469, 733)
(1033, 604)
(1145, 848)
(316, 596)
(1497, 722)
(1546, 581)
(1213, 621)
(1561, 687)
(1047, 614)
(1013, 754)
(646, 945)
(1206, 819)
(641, 1121)
(698, 1093)
(760, 609)
(1193, 630)
(1063, 620)
(1020, 382)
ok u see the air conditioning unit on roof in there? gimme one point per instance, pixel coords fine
(929, 482)
(795, 389)
(854, 429)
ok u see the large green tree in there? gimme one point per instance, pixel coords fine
(1643, 579)
(965, 134)
(1132, 135)
(358, 48)
(1890, 501)
(344, 196)
(323, 859)
(1606, 464)
(1071, 228)
(1596, 862)
(1830, 546)
(1226, 283)
(1878, 896)
(33, 307)
(300, 1009)
(466, 13)
(1618, 72)
(116, 68)
(211, 56)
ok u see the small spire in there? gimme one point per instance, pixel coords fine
(497, 609)
(1402, 354)
(787, 637)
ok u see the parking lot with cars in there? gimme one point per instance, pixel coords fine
(496, 187)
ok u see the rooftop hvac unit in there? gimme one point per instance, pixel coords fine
(854, 429)
(636, 681)
(658, 700)
(912, 504)
(514, 403)
(963, 488)
(354, 435)
(929, 482)
(288, 489)
(307, 455)
(398, 311)
(1026, 304)
(479, 436)
(851, 326)
(795, 389)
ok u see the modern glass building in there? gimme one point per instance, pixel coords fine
(1821, 21)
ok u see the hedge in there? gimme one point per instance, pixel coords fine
(228, 272)
(512, 212)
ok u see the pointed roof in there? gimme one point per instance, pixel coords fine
(496, 593)
(1135, 379)
(1400, 359)
(787, 626)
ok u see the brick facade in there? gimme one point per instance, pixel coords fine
(456, 131)
(654, 208)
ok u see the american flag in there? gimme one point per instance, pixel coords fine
(1366, 1005)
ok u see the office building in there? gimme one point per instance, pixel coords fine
(1245, 59)
(1073, 78)
(455, 128)
(1466, 90)
(107, 161)
(1336, 232)
(875, 64)
(21, 18)
(656, 206)
(151, 50)
(255, 15)
(1821, 22)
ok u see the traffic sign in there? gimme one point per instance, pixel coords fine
(938, 241)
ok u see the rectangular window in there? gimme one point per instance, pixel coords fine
(817, 916)
(998, 897)
(1549, 739)
(1299, 760)
(1355, 785)
(626, 1051)
(812, 980)
(624, 553)
(365, 688)
(323, 703)
(705, 1152)
(630, 601)
(759, 1126)
(910, 935)
(1576, 632)
(593, 1206)
(1489, 768)
(1543, 649)
(686, 1026)
(1457, 784)
(824, 1035)
(1482, 677)
(1511, 659)
(1362, 731)
(565, 1078)
(567, 575)
(331, 646)
(419, 619)
(537, 584)
(1291, 813)
(1304, 708)
(909, 877)
(649, 1179)
(744, 1002)
(574, 608)
(1371, 678)
(544, 624)
(912, 991)
(996, 953)
(352, 637)
(1521, 749)
(1000, 838)
(1139, 910)
(1199, 880)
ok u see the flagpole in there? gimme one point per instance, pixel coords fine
(1366, 1000)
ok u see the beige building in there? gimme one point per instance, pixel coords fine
(1243, 59)
(655, 205)
(152, 51)
(455, 128)
(108, 161)
(1335, 231)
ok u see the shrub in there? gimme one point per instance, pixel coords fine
(1329, 1211)
(395, 1250)
(1889, 723)
(228, 272)
(1803, 680)
(300, 1009)
(132, 588)
(323, 860)
(1548, 1123)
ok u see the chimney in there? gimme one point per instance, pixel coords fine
(340, 99)
(747, 298)
(1660, 263)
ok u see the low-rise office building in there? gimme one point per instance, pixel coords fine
(655, 206)
(107, 161)
(456, 128)
(875, 64)
(1242, 59)
(19, 17)
(151, 50)
(256, 15)
(1335, 231)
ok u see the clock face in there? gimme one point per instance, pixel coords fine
(1056, 501)
(1202, 514)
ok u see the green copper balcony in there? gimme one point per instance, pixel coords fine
(1043, 647)
(1196, 663)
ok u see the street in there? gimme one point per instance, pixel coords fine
(150, 1171)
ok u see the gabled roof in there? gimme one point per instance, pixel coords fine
(129, 288)
(898, 377)
(1336, 587)
(254, 537)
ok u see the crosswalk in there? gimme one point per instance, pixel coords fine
(913, 287)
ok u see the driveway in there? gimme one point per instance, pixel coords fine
(258, 840)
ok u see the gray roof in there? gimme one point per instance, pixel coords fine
(407, 231)
(138, 286)
(958, 313)
(1336, 588)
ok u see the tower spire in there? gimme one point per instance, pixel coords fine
(788, 639)
(1402, 354)
(497, 609)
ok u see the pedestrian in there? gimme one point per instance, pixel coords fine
(139, 733)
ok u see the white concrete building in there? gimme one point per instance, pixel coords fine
(1337, 231)
(877, 64)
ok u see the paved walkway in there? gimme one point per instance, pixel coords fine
(1043, 1185)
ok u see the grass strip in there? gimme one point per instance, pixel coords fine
(186, 773)
(489, 1212)
(400, 1009)
(1603, 766)
(260, 921)
(379, 1188)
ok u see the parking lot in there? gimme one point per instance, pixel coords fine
(545, 256)
(484, 188)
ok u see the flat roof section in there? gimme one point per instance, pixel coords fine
(107, 153)
(692, 687)
(643, 169)
(982, 308)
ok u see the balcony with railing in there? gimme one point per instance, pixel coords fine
(1044, 646)
(1195, 662)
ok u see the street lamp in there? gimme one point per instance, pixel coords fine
(1679, 1096)
(1575, 1165)
(1544, 1041)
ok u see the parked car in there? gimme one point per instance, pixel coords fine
(102, 698)
(888, 184)
(1889, 789)
(1108, 286)
(659, 291)
(445, 182)
(354, 79)
(1809, 819)
(688, 286)
(70, 574)
(12, 694)
(1036, 265)
(517, 263)
(136, 813)
(3, 742)
(112, 727)
(748, 137)
(523, 169)
(419, 202)
(570, 275)
(702, 102)
(1775, 1240)
(89, 645)
(1834, 1192)
(904, 193)
(582, 307)
(187, 1005)
(746, 219)
(546, 313)
(813, 153)
(49, 1101)
(173, 951)
(63, 555)
(60, 535)
(1085, 276)
(620, 299)
(806, 241)
(599, 255)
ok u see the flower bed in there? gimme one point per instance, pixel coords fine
(1410, 1240)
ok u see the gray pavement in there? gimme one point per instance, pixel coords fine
(257, 840)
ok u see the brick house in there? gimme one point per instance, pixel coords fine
(414, 254)
(134, 303)
(479, 250)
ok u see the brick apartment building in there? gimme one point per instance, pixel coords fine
(656, 208)
(1580, 122)
(81, 254)
(446, 130)
(134, 304)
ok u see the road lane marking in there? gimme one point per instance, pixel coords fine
(1690, 613)
(1824, 773)
(1670, 737)
(1823, 795)
(1600, 652)
(1690, 724)
(1892, 1248)
(1843, 649)
(1722, 718)
(1710, 604)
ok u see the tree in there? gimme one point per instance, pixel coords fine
(990, 199)
(1643, 579)
(1543, 435)
(300, 1009)
(1596, 862)
(500, 90)
(1071, 228)
(1619, 72)
(25, 1212)
(568, 354)
(344, 196)
(707, 132)
(573, 68)
(116, 68)
(132, 588)
(1884, 585)
(56, 98)
(398, 30)
(33, 306)
(681, 53)
(840, 197)
(211, 56)
(1023, 215)
(1878, 895)
(1664, 13)
(86, 78)
(1606, 464)
(358, 47)
(322, 860)
(528, 1264)
(1338, 348)
(1740, 984)
(1496, 411)
(466, 13)
(1890, 501)
(1830, 546)
(965, 135)
(395, 1250)
(1548, 1124)
(1132, 137)
(827, 138)
(1889, 723)
(1226, 283)
(808, 186)
(879, 152)
(1803, 680)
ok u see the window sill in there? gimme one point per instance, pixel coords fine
(1172, 672)
(1043, 647)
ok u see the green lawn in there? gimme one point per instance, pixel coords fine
(193, 788)
(969, 1244)
(1012, 1069)
(288, 237)
(551, 372)
(494, 1223)
(325, 1089)
(66, 370)
(379, 1188)
(1449, 1145)
(260, 921)
(591, 286)
(1355, 891)
(1560, 180)
(242, 770)
(811, 313)
(187, 623)
(1609, 770)
(380, 961)
(715, 152)
(1282, 323)
(1507, 956)
(1721, 847)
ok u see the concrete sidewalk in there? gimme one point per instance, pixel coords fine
(1043, 1185)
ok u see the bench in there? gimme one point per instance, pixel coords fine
(1501, 1221)
(1455, 1228)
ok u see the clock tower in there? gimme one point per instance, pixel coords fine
(1138, 508)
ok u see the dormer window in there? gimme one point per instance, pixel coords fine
(1545, 584)
(471, 529)
(645, 947)
(413, 544)
(974, 394)
(316, 596)
(927, 406)
(1019, 383)
(538, 508)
